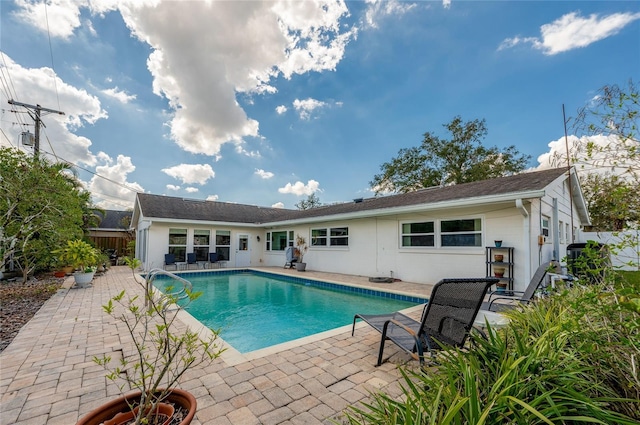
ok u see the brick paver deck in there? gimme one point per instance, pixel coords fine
(47, 375)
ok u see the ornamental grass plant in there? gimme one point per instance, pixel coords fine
(566, 359)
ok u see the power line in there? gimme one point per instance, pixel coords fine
(37, 109)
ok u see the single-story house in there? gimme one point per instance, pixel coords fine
(421, 236)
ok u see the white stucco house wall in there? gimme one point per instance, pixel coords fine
(422, 236)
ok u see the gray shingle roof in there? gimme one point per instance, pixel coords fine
(189, 209)
(112, 219)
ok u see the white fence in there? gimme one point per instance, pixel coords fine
(624, 259)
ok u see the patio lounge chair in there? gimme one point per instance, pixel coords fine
(191, 260)
(213, 260)
(500, 301)
(446, 319)
(289, 253)
(170, 260)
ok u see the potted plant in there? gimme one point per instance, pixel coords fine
(162, 353)
(301, 249)
(82, 257)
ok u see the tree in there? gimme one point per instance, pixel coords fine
(439, 161)
(608, 156)
(41, 207)
(312, 201)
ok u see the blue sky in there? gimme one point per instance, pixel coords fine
(264, 103)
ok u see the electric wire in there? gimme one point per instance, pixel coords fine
(55, 85)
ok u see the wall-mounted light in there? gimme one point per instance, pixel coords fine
(258, 237)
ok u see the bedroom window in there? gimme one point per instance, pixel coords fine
(467, 232)
(418, 234)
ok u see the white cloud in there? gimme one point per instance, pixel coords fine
(251, 43)
(281, 109)
(307, 106)
(173, 187)
(44, 87)
(264, 174)
(598, 161)
(191, 189)
(378, 9)
(446, 4)
(299, 188)
(119, 95)
(110, 187)
(277, 205)
(573, 31)
(191, 173)
(212, 198)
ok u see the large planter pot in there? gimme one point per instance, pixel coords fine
(83, 279)
(179, 398)
(301, 267)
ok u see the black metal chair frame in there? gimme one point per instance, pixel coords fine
(515, 298)
(446, 319)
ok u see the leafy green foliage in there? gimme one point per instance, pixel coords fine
(41, 207)
(79, 254)
(440, 161)
(569, 358)
(164, 348)
(312, 201)
(608, 152)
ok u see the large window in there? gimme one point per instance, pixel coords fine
(201, 244)
(466, 232)
(223, 244)
(418, 234)
(278, 241)
(333, 236)
(544, 224)
(178, 243)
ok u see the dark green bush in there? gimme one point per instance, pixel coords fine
(570, 358)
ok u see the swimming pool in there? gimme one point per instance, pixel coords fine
(254, 309)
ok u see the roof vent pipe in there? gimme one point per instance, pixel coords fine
(357, 200)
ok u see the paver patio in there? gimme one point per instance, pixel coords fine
(47, 375)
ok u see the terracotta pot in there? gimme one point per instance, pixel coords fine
(498, 271)
(163, 410)
(498, 258)
(108, 411)
(59, 274)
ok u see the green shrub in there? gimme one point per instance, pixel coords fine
(570, 358)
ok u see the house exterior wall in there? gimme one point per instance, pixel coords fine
(374, 243)
(158, 241)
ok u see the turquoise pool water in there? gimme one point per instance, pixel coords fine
(255, 310)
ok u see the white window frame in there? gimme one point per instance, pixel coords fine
(223, 233)
(269, 241)
(330, 235)
(197, 246)
(545, 227)
(476, 232)
(172, 246)
(410, 234)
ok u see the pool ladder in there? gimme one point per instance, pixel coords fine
(177, 295)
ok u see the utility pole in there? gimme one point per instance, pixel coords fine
(37, 109)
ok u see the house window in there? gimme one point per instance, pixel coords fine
(278, 241)
(560, 230)
(333, 236)
(418, 234)
(178, 243)
(201, 244)
(223, 244)
(467, 232)
(545, 226)
(318, 237)
(567, 235)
